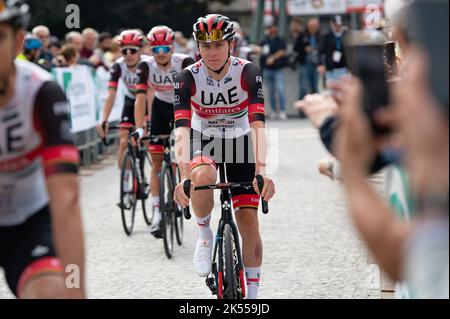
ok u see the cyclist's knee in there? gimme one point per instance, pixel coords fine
(45, 287)
(204, 175)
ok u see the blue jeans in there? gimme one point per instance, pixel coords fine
(336, 74)
(276, 84)
(309, 79)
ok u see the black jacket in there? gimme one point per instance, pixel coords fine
(328, 45)
(304, 40)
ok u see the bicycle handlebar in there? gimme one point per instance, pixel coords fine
(223, 186)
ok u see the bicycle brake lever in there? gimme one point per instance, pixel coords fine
(265, 205)
(187, 191)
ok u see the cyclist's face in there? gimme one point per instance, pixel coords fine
(10, 45)
(161, 57)
(132, 56)
(215, 54)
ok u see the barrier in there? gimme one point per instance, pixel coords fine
(86, 90)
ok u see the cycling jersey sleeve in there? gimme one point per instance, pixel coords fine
(116, 73)
(143, 72)
(51, 120)
(184, 90)
(187, 62)
(252, 83)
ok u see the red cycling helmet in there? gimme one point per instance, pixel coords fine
(131, 38)
(161, 35)
(212, 28)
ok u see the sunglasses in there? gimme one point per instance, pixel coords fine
(130, 51)
(161, 49)
(215, 35)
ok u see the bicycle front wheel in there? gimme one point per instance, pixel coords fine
(128, 193)
(179, 217)
(147, 204)
(167, 210)
(232, 286)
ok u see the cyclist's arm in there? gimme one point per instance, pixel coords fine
(113, 84)
(60, 160)
(252, 83)
(184, 89)
(142, 89)
(187, 62)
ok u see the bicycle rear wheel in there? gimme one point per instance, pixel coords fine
(231, 282)
(147, 204)
(167, 210)
(128, 193)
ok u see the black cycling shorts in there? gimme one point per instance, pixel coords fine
(162, 124)
(238, 157)
(27, 250)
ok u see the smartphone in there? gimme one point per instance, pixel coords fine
(391, 57)
(428, 26)
(365, 52)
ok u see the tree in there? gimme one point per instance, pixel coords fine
(114, 15)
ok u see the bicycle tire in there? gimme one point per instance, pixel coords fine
(230, 278)
(179, 217)
(128, 208)
(167, 210)
(147, 211)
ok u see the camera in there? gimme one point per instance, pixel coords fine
(367, 57)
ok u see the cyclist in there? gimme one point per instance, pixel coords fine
(227, 102)
(157, 75)
(131, 42)
(40, 219)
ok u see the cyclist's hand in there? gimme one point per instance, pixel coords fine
(139, 134)
(268, 191)
(180, 196)
(102, 129)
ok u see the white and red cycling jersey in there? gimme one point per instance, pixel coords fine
(35, 142)
(162, 81)
(120, 71)
(222, 108)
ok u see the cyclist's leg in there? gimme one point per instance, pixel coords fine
(162, 124)
(203, 172)
(32, 268)
(245, 203)
(127, 121)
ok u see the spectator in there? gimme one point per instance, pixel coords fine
(55, 46)
(180, 44)
(90, 42)
(273, 61)
(307, 49)
(32, 47)
(113, 54)
(75, 38)
(69, 56)
(332, 51)
(43, 33)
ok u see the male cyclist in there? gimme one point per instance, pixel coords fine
(157, 75)
(226, 98)
(131, 43)
(41, 237)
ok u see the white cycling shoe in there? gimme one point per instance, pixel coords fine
(203, 257)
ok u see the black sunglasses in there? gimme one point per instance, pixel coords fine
(130, 50)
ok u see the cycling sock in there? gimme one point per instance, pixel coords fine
(253, 276)
(126, 182)
(156, 210)
(205, 232)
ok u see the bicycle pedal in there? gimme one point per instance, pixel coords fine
(211, 284)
